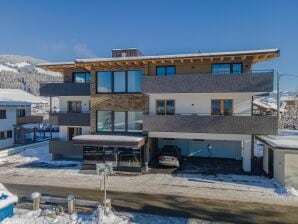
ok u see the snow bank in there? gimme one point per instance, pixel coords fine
(42, 71)
(10, 197)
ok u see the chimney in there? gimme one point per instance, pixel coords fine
(129, 52)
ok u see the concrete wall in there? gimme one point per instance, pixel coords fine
(291, 169)
(7, 125)
(201, 102)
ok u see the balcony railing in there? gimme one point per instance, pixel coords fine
(29, 119)
(70, 118)
(252, 81)
(64, 89)
(219, 124)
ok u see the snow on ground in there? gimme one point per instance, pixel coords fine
(8, 199)
(45, 217)
(39, 156)
(35, 167)
(8, 69)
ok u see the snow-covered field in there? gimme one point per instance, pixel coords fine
(35, 167)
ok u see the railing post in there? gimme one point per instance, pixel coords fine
(36, 196)
(71, 204)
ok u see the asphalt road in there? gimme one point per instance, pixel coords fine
(158, 204)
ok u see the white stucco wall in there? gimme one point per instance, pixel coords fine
(63, 131)
(291, 168)
(219, 149)
(7, 124)
(201, 102)
(279, 166)
(63, 102)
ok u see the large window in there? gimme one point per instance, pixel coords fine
(81, 77)
(134, 81)
(74, 106)
(227, 68)
(119, 81)
(165, 107)
(2, 114)
(120, 121)
(104, 82)
(104, 121)
(165, 70)
(21, 112)
(222, 107)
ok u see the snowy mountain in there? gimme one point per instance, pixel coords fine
(20, 72)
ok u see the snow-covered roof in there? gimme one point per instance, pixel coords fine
(288, 98)
(56, 63)
(17, 97)
(261, 104)
(110, 140)
(284, 139)
(179, 55)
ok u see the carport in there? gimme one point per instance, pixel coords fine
(280, 158)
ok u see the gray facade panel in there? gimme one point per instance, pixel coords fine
(64, 89)
(208, 83)
(211, 124)
(71, 119)
(65, 148)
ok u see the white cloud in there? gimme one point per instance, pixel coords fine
(82, 50)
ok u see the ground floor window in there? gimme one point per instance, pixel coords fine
(119, 156)
(5, 134)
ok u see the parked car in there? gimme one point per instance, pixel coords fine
(170, 155)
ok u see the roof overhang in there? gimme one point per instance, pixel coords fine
(254, 56)
(110, 140)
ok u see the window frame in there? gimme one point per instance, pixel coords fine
(4, 115)
(222, 107)
(113, 80)
(230, 66)
(23, 112)
(85, 80)
(76, 106)
(165, 67)
(165, 106)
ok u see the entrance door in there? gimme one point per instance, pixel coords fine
(73, 132)
(270, 163)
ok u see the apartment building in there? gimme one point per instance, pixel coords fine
(15, 113)
(123, 109)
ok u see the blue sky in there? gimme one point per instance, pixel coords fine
(61, 30)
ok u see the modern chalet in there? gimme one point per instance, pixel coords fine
(123, 109)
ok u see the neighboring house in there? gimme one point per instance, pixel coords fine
(290, 102)
(266, 108)
(15, 117)
(123, 109)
